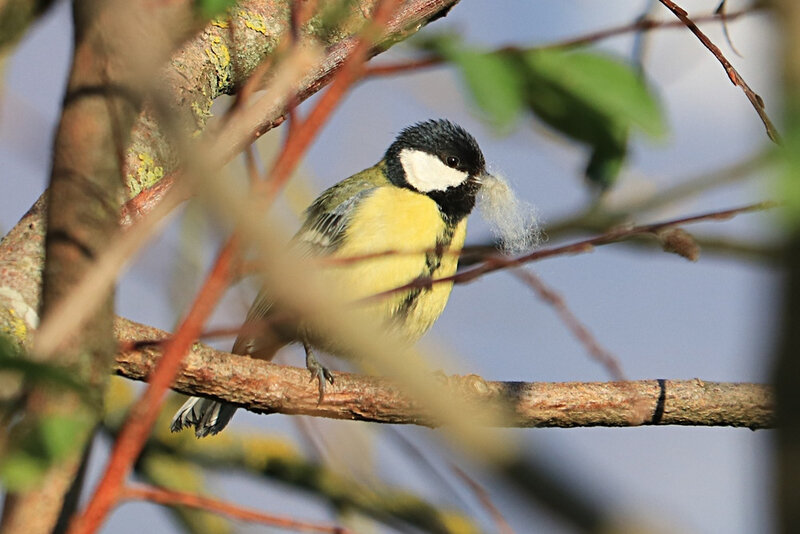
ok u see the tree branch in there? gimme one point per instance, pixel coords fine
(733, 74)
(264, 387)
(639, 25)
(181, 498)
(103, 97)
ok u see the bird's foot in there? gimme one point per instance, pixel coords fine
(318, 372)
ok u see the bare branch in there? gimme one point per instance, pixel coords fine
(485, 499)
(496, 262)
(265, 387)
(640, 25)
(733, 74)
(578, 329)
(144, 412)
(180, 498)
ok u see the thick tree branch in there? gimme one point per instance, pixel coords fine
(224, 56)
(103, 97)
(269, 388)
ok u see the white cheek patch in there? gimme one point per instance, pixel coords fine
(425, 172)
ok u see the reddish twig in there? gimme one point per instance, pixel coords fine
(646, 24)
(146, 200)
(304, 131)
(144, 412)
(733, 75)
(401, 67)
(496, 263)
(179, 498)
(485, 499)
(641, 25)
(579, 330)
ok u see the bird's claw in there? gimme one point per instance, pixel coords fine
(318, 372)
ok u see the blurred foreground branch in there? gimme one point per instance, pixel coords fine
(179, 461)
(264, 387)
(174, 498)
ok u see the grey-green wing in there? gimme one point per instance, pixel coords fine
(327, 219)
(326, 222)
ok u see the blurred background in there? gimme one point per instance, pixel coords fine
(659, 314)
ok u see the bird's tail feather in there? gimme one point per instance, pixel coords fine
(207, 417)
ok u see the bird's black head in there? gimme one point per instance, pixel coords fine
(441, 160)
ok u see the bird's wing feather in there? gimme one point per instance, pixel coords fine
(325, 226)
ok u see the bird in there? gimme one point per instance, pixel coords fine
(416, 199)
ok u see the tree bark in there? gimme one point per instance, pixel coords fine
(103, 97)
(264, 387)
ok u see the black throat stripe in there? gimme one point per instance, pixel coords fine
(433, 260)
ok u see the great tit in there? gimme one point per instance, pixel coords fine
(415, 200)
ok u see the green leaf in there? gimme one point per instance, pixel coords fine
(14, 360)
(493, 80)
(211, 8)
(589, 97)
(20, 471)
(59, 435)
(494, 84)
(606, 160)
(594, 99)
(607, 85)
(788, 183)
(45, 441)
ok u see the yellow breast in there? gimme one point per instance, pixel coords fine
(410, 225)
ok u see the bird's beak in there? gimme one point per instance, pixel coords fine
(480, 179)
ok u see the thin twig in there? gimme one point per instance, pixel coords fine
(733, 75)
(640, 25)
(647, 24)
(485, 499)
(234, 511)
(144, 412)
(142, 416)
(496, 263)
(723, 13)
(303, 131)
(579, 330)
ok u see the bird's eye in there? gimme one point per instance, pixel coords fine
(452, 161)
